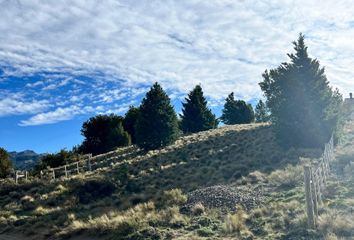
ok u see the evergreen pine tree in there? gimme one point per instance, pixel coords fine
(196, 116)
(157, 123)
(236, 111)
(5, 163)
(304, 108)
(261, 112)
(129, 122)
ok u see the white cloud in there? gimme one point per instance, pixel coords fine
(59, 114)
(17, 106)
(225, 45)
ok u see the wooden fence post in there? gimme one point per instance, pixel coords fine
(16, 177)
(314, 191)
(26, 175)
(53, 174)
(77, 168)
(66, 171)
(309, 202)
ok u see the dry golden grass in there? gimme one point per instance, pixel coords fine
(148, 198)
(236, 223)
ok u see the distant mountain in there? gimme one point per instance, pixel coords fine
(25, 160)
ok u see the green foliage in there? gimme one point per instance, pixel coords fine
(236, 111)
(196, 115)
(91, 190)
(304, 108)
(261, 112)
(103, 133)
(5, 163)
(129, 122)
(157, 124)
(173, 197)
(56, 159)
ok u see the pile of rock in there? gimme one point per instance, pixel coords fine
(225, 198)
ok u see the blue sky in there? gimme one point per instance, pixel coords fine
(64, 61)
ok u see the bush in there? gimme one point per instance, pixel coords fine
(103, 133)
(56, 159)
(198, 209)
(129, 122)
(93, 189)
(236, 223)
(173, 197)
(340, 224)
(288, 177)
(205, 232)
(5, 163)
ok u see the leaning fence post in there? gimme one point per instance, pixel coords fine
(309, 200)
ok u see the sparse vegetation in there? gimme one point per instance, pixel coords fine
(123, 201)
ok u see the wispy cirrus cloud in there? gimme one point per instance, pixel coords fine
(105, 54)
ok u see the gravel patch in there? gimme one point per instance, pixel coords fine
(225, 198)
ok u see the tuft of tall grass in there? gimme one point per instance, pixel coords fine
(288, 177)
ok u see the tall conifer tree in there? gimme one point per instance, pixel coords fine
(304, 108)
(236, 111)
(261, 112)
(157, 123)
(196, 116)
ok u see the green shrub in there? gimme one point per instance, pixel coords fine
(87, 191)
(205, 232)
(288, 177)
(5, 163)
(198, 209)
(173, 197)
(103, 133)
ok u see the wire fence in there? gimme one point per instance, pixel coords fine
(315, 183)
(88, 163)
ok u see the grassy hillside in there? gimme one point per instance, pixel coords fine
(244, 189)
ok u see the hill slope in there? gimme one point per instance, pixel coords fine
(134, 200)
(25, 160)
